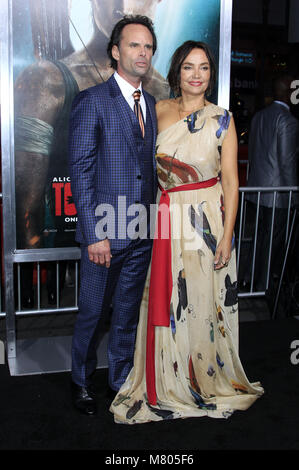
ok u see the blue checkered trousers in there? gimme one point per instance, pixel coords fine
(109, 158)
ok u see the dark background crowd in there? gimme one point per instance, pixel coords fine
(264, 45)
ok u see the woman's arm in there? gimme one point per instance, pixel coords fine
(230, 185)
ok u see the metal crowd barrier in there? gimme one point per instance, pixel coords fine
(42, 305)
(40, 261)
(251, 238)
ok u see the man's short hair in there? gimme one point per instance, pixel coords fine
(117, 31)
(281, 86)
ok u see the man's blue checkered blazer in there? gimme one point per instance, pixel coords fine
(103, 157)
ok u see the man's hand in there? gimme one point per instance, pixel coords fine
(99, 253)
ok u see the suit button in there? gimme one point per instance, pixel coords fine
(139, 177)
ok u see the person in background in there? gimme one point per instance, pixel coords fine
(273, 154)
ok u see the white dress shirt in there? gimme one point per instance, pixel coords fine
(127, 91)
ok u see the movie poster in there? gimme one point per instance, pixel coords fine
(59, 49)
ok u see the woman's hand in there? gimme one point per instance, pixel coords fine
(223, 254)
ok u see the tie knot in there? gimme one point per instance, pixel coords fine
(136, 95)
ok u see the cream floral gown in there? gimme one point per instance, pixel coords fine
(197, 367)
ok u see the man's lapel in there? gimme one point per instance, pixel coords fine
(152, 110)
(121, 108)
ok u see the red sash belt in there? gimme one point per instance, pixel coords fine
(160, 288)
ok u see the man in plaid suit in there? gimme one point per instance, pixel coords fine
(113, 174)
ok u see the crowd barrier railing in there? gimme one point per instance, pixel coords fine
(250, 225)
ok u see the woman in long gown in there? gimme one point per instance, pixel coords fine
(188, 365)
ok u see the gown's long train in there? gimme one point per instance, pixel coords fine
(198, 371)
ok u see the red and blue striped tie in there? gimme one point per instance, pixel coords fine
(138, 111)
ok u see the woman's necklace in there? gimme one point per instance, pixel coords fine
(182, 112)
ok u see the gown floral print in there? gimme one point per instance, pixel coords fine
(198, 371)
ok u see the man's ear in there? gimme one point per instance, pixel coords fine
(115, 52)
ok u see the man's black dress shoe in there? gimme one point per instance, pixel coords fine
(83, 399)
